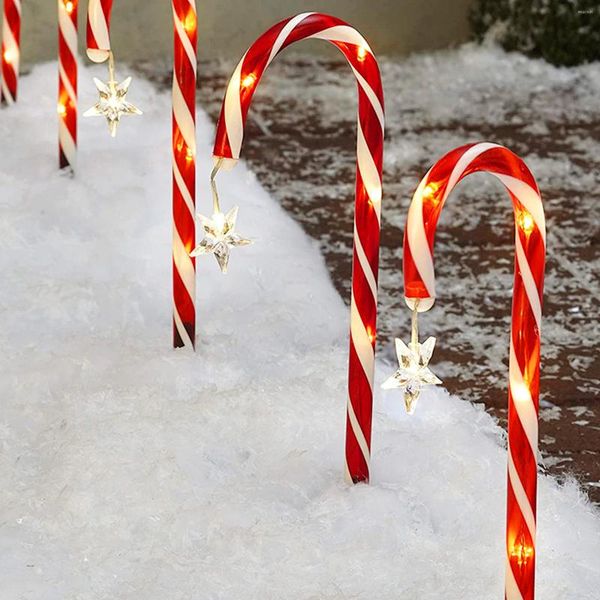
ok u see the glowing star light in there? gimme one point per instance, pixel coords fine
(413, 372)
(112, 103)
(220, 237)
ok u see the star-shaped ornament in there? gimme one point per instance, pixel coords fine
(112, 103)
(413, 372)
(220, 237)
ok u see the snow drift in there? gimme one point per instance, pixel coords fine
(129, 470)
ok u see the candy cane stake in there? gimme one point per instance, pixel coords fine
(524, 361)
(228, 143)
(184, 172)
(67, 83)
(11, 53)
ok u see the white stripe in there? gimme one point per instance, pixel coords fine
(463, 163)
(284, 33)
(183, 334)
(6, 93)
(184, 118)
(364, 263)
(372, 96)
(18, 6)
(185, 42)
(361, 342)
(521, 496)
(67, 28)
(98, 25)
(417, 239)
(347, 475)
(184, 265)
(67, 84)
(344, 34)
(360, 438)
(67, 143)
(368, 171)
(523, 401)
(511, 587)
(233, 112)
(185, 193)
(528, 281)
(528, 197)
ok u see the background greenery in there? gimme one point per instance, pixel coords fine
(564, 32)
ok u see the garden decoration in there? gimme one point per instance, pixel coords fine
(184, 172)
(370, 129)
(67, 83)
(524, 359)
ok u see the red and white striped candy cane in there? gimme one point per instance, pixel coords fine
(184, 172)
(98, 30)
(524, 361)
(67, 83)
(230, 132)
(11, 52)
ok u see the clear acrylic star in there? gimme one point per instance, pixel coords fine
(112, 103)
(220, 237)
(413, 372)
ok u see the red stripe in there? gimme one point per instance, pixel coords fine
(9, 73)
(13, 18)
(92, 43)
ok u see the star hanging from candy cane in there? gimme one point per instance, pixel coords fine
(112, 103)
(219, 230)
(413, 372)
(220, 237)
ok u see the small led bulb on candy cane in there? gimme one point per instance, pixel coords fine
(524, 359)
(111, 103)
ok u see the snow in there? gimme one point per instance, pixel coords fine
(129, 470)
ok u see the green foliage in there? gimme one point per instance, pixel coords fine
(564, 32)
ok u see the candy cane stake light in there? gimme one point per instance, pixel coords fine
(67, 83)
(11, 52)
(228, 143)
(111, 102)
(185, 28)
(524, 358)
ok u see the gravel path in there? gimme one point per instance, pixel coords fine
(300, 143)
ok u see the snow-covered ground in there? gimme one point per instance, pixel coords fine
(301, 144)
(132, 471)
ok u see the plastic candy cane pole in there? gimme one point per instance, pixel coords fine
(230, 132)
(184, 172)
(67, 83)
(11, 53)
(524, 361)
